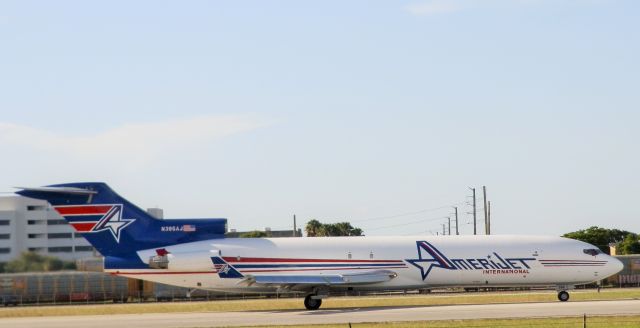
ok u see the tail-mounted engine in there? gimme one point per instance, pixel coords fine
(182, 261)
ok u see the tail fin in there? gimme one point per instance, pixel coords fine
(117, 228)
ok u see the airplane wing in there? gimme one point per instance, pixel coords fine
(360, 278)
(302, 281)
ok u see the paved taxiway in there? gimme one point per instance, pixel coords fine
(379, 314)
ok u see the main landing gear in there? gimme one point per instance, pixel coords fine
(312, 302)
(563, 296)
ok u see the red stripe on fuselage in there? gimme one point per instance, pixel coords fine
(83, 210)
(573, 265)
(168, 272)
(594, 261)
(254, 271)
(291, 260)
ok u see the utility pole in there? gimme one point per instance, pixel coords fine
(486, 216)
(489, 214)
(474, 211)
(449, 222)
(456, 211)
(443, 226)
(295, 227)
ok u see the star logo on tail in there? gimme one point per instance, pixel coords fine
(428, 258)
(113, 222)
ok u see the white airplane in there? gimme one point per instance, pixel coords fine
(193, 253)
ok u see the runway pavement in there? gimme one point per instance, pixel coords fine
(353, 315)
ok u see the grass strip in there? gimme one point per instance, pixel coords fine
(562, 322)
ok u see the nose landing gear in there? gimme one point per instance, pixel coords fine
(563, 294)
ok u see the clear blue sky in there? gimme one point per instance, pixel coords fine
(343, 110)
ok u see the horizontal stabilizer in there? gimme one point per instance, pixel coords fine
(63, 190)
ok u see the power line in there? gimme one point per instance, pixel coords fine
(407, 223)
(407, 213)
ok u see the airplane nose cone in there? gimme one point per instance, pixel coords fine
(615, 265)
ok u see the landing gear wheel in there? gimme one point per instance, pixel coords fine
(311, 303)
(563, 296)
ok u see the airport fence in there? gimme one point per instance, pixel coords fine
(62, 287)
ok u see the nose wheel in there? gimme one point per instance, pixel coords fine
(311, 302)
(563, 296)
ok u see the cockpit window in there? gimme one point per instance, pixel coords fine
(592, 251)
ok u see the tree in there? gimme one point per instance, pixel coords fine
(599, 237)
(69, 265)
(630, 245)
(315, 228)
(34, 262)
(253, 234)
(346, 229)
(328, 230)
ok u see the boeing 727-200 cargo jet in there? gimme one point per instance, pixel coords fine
(194, 253)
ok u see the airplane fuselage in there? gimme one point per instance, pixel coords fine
(418, 261)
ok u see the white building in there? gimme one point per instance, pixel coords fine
(32, 225)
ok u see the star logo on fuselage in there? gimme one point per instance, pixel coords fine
(428, 258)
(113, 222)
